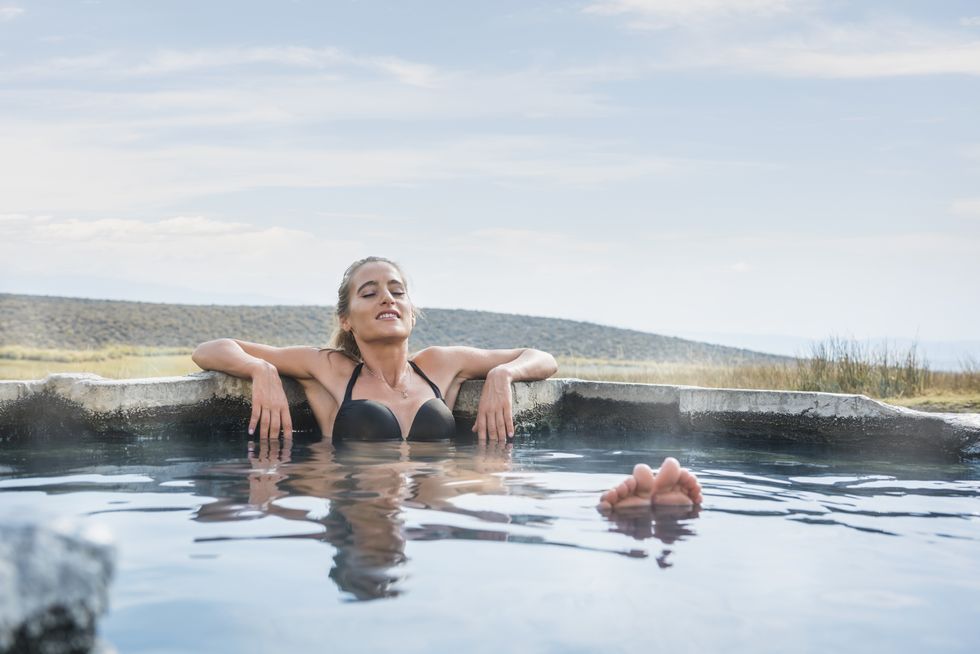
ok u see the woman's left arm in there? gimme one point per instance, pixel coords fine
(499, 368)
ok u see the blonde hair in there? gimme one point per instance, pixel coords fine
(343, 341)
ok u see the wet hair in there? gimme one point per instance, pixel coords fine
(343, 341)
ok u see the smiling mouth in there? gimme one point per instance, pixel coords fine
(388, 315)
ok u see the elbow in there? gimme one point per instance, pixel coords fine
(196, 356)
(200, 354)
(550, 364)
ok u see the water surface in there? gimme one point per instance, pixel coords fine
(433, 547)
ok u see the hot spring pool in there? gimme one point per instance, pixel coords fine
(461, 547)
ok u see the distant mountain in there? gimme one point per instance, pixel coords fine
(76, 323)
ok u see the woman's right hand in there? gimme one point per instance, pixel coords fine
(270, 408)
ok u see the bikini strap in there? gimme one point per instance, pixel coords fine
(350, 384)
(422, 375)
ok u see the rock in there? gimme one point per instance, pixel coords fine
(54, 584)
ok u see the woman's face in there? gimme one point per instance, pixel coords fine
(380, 308)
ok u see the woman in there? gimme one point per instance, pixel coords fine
(398, 397)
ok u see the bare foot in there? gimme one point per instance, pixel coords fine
(671, 485)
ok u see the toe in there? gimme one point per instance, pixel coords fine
(644, 478)
(689, 481)
(667, 476)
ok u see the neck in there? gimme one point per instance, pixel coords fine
(387, 359)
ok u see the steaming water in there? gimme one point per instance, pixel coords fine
(438, 547)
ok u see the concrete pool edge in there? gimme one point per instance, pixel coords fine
(216, 400)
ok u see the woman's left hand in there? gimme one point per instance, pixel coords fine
(494, 417)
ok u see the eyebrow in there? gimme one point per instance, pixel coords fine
(373, 283)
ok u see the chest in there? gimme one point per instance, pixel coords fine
(354, 407)
(370, 420)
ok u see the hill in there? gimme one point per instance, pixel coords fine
(76, 323)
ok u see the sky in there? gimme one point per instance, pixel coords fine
(763, 170)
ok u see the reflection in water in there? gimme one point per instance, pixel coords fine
(367, 488)
(367, 485)
(665, 523)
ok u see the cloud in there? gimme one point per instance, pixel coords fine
(204, 62)
(188, 61)
(970, 21)
(85, 167)
(10, 12)
(662, 14)
(966, 207)
(284, 85)
(182, 251)
(861, 52)
(798, 44)
(407, 72)
(523, 244)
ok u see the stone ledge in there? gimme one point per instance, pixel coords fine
(216, 400)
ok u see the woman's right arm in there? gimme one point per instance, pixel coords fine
(262, 364)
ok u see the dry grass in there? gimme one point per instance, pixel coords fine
(940, 401)
(834, 366)
(21, 353)
(114, 363)
(685, 374)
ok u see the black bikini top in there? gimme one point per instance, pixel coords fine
(370, 420)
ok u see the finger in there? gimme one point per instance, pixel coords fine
(492, 426)
(509, 420)
(501, 425)
(481, 425)
(256, 414)
(287, 424)
(275, 424)
(266, 419)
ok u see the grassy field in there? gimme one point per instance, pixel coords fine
(833, 366)
(119, 362)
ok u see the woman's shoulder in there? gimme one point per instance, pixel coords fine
(436, 356)
(452, 360)
(330, 361)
